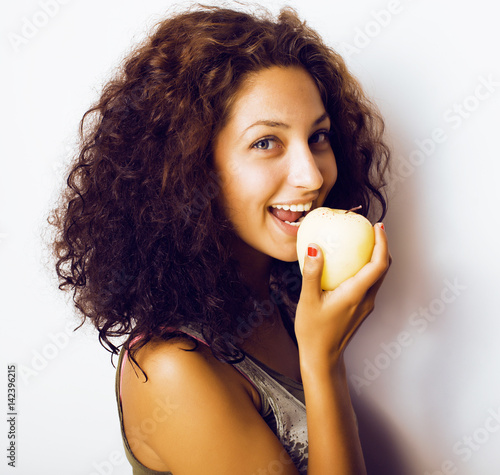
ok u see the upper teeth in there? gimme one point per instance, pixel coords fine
(299, 207)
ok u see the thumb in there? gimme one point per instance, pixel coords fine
(311, 273)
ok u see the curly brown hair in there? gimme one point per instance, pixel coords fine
(142, 238)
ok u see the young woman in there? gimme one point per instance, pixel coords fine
(178, 232)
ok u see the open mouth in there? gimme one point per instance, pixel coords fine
(292, 215)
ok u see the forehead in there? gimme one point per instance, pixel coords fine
(277, 93)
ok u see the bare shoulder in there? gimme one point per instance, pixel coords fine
(194, 413)
(179, 367)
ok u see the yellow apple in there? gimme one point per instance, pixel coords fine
(346, 239)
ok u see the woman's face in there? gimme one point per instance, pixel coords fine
(274, 158)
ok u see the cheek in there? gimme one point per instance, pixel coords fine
(252, 183)
(228, 173)
(329, 172)
(241, 190)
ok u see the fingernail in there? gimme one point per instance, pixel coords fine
(382, 226)
(312, 251)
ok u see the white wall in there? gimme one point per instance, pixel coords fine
(426, 388)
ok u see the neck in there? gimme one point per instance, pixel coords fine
(255, 269)
(266, 337)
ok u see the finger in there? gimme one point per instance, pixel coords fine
(375, 270)
(383, 261)
(381, 249)
(311, 274)
(375, 287)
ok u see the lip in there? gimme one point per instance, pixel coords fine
(302, 201)
(286, 228)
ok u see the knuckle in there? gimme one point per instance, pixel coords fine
(310, 271)
(309, 275)
(389, 260)
(385, 264)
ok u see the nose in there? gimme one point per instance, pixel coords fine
(303, 171)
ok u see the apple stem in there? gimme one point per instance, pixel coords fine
(353, 209)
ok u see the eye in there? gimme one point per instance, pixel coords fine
(266, 144)
(320, 137)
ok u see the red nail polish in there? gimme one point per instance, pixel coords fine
(382, 226)
(312, 252)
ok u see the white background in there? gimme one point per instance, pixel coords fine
(424, 388)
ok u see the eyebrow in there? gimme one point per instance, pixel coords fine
(273, 123)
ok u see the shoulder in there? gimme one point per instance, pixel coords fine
(181, 361)
(175, 386)
(194, 413)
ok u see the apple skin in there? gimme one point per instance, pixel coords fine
(346, 239)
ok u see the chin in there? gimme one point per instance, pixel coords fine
(287, 256)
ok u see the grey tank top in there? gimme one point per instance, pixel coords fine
(283, 408)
